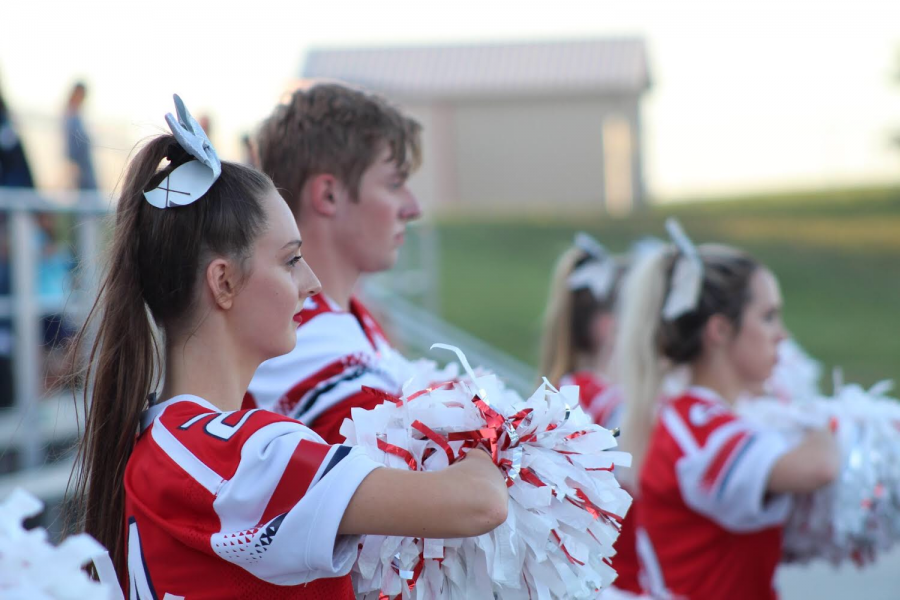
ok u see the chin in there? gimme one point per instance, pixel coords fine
(286, 347)
(382, 265)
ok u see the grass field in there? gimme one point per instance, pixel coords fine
(837, 256)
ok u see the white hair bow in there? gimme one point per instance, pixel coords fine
(188, 182)
(597, 275)
(687, 275)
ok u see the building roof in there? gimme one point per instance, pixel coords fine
(592, 66)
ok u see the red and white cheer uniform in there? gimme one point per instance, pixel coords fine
(321, 379)
(242, 504)
(707, 527)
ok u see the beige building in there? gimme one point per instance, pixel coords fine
(513, 126)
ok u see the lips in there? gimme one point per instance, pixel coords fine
(298, 318)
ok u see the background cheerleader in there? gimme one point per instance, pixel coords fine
(580, 326)
(712, 489)
(576, 348)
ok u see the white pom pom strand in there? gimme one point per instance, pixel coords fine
(31, 568)
(565, 503)
(858, 516)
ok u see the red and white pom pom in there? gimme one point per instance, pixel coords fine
(33, 569)
(858, 516)
(565, 504)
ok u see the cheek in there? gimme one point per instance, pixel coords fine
(377, 226)
(759, 349)
(388, 211)
(267, 305)
(282, 304)
(287, 292)
(275, 297)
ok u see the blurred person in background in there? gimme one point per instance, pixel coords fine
(341, 158)
(712, 490)
(206, 123)
(576, 347)
(54, 286)
(579, 327)
(14, 172)
(14, 169)
(78, 142)
(248, 152)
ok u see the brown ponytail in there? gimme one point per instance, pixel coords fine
(154, 261)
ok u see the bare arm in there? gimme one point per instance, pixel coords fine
(467, 499)
(811, 465)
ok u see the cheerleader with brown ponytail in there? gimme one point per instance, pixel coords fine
(193, 496)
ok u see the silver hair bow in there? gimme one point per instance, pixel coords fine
(188, 182)
(687, 276)
(597, 275)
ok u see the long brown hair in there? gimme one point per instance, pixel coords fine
(155, 260)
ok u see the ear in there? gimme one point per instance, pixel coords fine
(222, 281)
(717, 331)
(323, 191)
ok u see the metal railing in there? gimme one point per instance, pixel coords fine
(36, 423)
(417, 329)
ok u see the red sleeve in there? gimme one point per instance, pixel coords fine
(328, 424)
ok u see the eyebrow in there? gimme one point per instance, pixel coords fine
(297, 243)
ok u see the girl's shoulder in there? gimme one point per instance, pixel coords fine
(589, 383)
(599, 398)
(697, 417)
(200, 411)
(189, 425)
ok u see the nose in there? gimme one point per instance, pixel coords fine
(307, 282)
(411, 209)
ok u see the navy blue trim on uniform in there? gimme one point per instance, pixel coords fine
(337, 456)
(350, 375)
(133, 592)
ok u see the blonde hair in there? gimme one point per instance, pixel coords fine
(566, 330)
(648, 347)
(557, 353)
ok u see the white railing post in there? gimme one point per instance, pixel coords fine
(88, 251)
(27, 335)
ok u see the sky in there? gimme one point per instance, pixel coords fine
(746, 96)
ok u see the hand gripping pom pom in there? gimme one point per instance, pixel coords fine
(565, 504)
(858, 516)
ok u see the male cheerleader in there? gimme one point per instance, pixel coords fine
(341, 158)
